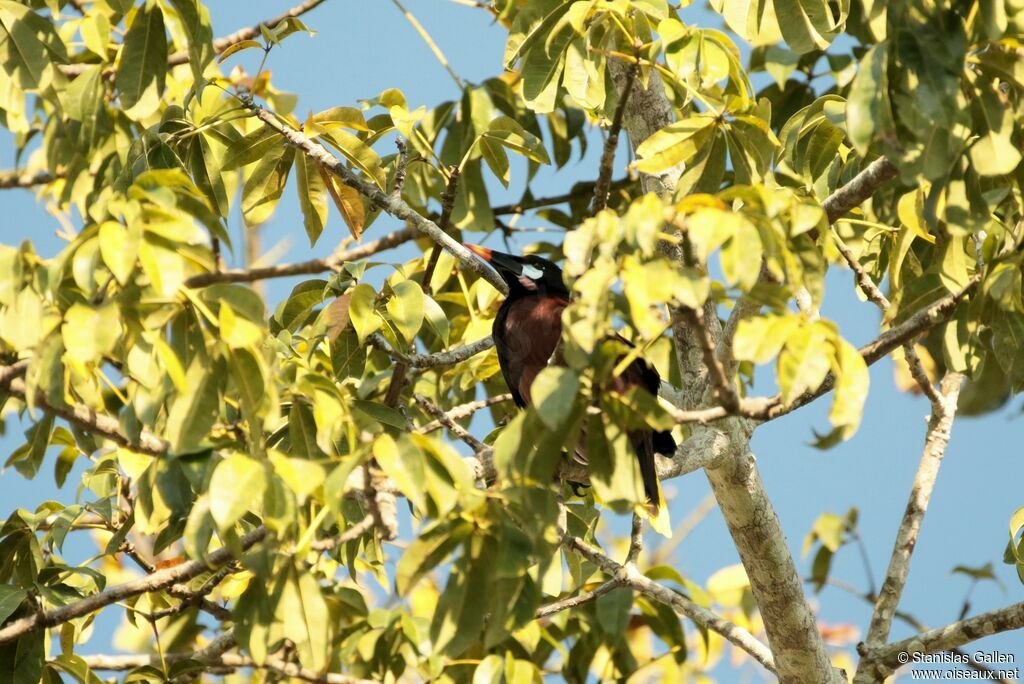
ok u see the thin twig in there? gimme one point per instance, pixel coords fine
(860, 188)
(631, 577)
(459, 83)
(577, 600)
(161, 579)
(636, 539)
(875, 296)
(97, 423)
(215, 656)
(447, 203)
(579, 191)
(438, 413)
(334, 262)
(21, 179)
(463, 411)
(220, 44)
(939, 427)
(354, 532)
(604, 176)
(396, 207)
(445, 358)
(916, 624)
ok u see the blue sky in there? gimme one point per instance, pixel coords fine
(363, 48)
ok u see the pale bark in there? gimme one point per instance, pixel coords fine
(799, 651)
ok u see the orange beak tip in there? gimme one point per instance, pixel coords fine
(482, 252)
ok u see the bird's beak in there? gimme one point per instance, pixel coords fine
(504, 264)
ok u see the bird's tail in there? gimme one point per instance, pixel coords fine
(646, 445)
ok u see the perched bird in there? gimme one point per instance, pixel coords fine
(527, 330)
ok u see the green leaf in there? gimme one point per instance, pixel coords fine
(10, 598)
(362, 311)
(90, 332)
(306, 620)
(119, 247)
(508, 132)
(995, 154)
(402, 462)
(806, 25)
(195, 19)
(236, 487)
(193, 413)
(29, 46)
(868, 112)
(253, 147)
(428, 549)
(803, 363)
(143, 59)
(1008, 341)
(554, 394)
(23, 659)
(265, 184)
(852, 381)
(238, 47)
(760, 339)
(437, 319)
(359, 154)
(406, 308)
(312, 197)
(674, 144)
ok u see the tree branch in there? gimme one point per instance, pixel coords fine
(392, 205)
(604, 176)
(579, 191)
(220, 44)
(859, 189)
(875, 296)
(630, 577)
(97, 423)
(161, 579)
(22, 179)
(334, 262)
(445, 358)
(463, 411)
(939, 427)
(886, 658)
(577, 600)
(215, 655)
(438, 413)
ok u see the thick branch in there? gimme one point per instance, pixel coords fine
(332, 263)
(863, 186)
(939, 427)
(951, 636)
(392, 205)
(161, 579)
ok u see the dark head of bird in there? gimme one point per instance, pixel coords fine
(525, 275)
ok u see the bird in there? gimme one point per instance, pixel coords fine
(526, 332)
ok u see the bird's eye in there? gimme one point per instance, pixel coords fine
(532, 272)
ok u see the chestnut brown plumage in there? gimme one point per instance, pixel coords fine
(527, 330)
